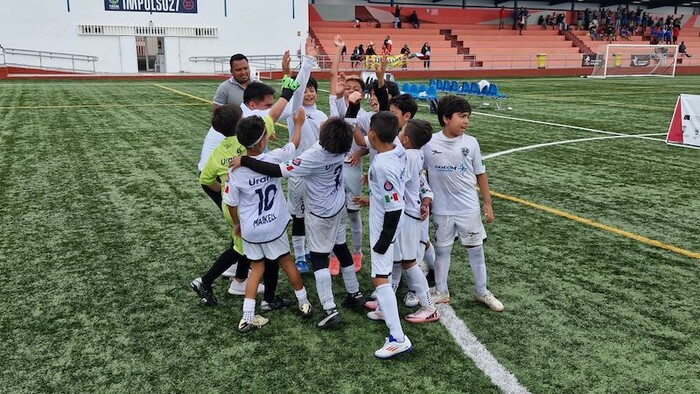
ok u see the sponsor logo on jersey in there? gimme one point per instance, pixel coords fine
(296, 161)
(388, 186)
(389, 198)
(461, 168)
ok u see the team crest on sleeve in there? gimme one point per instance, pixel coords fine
(465, 152)
(296, 161)
(388, 186)
(392, 197)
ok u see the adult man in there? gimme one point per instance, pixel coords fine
(231, 90)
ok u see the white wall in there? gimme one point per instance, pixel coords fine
(251, 27)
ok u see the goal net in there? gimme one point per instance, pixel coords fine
(621, 60)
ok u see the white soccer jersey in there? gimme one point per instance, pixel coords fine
(386, 188)
(323, 174)
(425, 190)
(260, 199)
(412, 197)
(311, 128)
(211, 141)
(452, 165)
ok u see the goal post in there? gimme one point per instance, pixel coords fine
(634, 60)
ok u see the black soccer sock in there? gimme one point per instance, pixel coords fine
(228, 258)
(319, 261)
(431, 278)
(271, 276)
(298, 226)
(343, 254)
(243, 268)
(215, 196)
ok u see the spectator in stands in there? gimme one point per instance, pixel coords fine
(610, 33)
(676, 33)
(386, 46)
(521, 23)
(579, 20)
(343, 52)
(668, 35)
(231, 90)
(625, 33)
(413, 19)
(594, 33)
(361, 51)
(425, 51)
(370, 49)
(682, 49)
(501, 17)
(397, 17)
(405, 51)
(357, 23)
(355, 57)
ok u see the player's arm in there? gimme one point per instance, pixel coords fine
(220, 98)
(393, 209)
(426, 196)
(335, 64)
(482, 180)
(391, 223)
(289, 85)
(233, 211)
(307, 63)
(208, 175)
(299, 119)
(381, 91)
(261, 167)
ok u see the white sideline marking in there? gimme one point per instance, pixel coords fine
(483, 359)
(522, 148)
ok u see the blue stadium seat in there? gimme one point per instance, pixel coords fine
(432, 82)
(405, 87)
(413, 90)
(432, 92)
(439, 85)
(447, 86)
(465, 88)
(454, 87)
(474, 89)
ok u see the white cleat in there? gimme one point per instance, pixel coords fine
(489, 300)
(392, 348)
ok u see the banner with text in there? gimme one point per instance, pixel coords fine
(684, 129)
(169, 6)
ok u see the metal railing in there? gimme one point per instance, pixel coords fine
(47, 60)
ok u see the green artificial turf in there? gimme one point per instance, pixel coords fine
(104, 224)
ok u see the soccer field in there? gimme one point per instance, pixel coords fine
(595, 252)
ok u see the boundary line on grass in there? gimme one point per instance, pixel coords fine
(529, 147)
(483, 359)
(600, 226)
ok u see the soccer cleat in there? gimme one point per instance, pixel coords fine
(424, 315)
(371, 305)
(357, 261)
(206, 294)
(258, 321)
(489, 300)
(392, 348)
(331, 318)
(411, 300)
(440, 298)
(230, 272)
(375, 315)
(334, 266)
(238, 288)
(276, 304)
(305, 310)
(302, 265)
(353, 300)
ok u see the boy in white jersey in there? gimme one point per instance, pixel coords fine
(386, 184)
(321, 166)
(455, 168)
(260, 215)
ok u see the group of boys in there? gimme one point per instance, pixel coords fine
(323, 164)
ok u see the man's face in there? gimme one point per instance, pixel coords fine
(266, 103)
(240, 71)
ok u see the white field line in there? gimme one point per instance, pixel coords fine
(529, 147)
(483, 359)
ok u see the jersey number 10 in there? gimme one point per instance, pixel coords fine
(266, 198)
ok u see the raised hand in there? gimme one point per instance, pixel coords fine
(299, 117)
(355, 97)
(311, 47)
(338, 41)
(286, 60)
(339, 88)
(234, 162)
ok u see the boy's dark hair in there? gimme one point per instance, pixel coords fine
(419, 132)
(312, 83)
(450, 105)
(405, 103)
(386, 125)
(225, 118)
(335, 135)
(238, 56)
(357, 79)
(249, 130)
(391, 87)
(257, 91)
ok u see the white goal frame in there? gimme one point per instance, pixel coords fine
(610, 50)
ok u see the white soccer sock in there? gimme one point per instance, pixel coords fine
(420, 285)
(390, 309)
(248, 309)
(298, 242)
(420, 254)
(442, 267)
(429, 256)
(350, 279)
(396, 272)
(355, 231)
(477, 261)
(324, 287)
(302, 298)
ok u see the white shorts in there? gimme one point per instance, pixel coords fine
(324, 233)
(424, 228)
(296, 188)
(352, 177)
(382, 264)
(468, 227)
(408, 240)
(269, 250)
